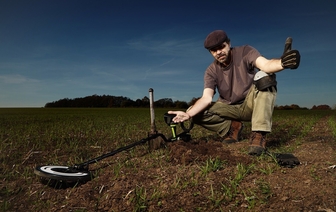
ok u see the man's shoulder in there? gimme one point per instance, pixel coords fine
(246, 50)
(243, 48)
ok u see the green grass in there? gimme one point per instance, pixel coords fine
(294, 125)
(85, 130)
(332, 124)
(38, 136)
(211, 165)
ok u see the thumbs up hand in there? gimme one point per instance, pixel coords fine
(290, 58)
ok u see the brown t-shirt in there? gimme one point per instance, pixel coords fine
(234, 81)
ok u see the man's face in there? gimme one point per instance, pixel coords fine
(221, 53)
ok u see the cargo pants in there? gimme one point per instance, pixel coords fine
(257, 107)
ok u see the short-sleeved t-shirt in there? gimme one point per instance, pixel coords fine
(234, 81)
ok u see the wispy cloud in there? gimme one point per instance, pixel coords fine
(149, 71)
(16, 79)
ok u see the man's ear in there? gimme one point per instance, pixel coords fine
(228, 43)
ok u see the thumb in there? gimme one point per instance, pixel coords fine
(288, 44)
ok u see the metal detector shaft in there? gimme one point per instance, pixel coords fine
(142, 141)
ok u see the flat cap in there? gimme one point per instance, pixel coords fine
(215, 38)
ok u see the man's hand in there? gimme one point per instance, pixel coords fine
(180, 116)
(290, 58)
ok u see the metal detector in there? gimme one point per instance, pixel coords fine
(79, 173)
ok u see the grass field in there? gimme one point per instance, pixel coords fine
(38, 136)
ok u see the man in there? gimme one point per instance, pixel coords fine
(244, 95)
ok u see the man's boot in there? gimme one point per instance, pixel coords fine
(257, 143)
(234, 133)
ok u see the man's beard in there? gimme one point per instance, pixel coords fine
(224, 59)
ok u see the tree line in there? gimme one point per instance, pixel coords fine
(108, 101)
(297, 107)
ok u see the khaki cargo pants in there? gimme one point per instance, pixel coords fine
(257, 108)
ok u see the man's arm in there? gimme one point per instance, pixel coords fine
(289, 59)
(199, 106)
(268, 66)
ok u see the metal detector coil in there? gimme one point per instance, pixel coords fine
(63, 173)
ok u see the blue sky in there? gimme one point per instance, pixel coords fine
(50, 50)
